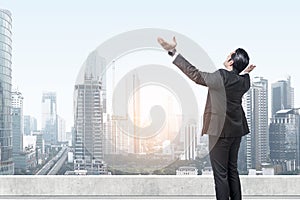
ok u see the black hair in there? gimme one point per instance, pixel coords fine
(240, 60)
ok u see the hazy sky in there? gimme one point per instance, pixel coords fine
(51, 39)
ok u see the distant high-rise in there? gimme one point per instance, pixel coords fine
(285, 140)
(116, 141)
(17, 121)
(6, 160)
(49, 117)
(40, 143)
(190, 142)
(136, 115)
(282, 95)
(16, 99)
(24, 159)
(122, 136)
(255, 146)
(61, 129)
(30, 124)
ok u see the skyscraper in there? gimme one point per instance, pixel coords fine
(17, 121)
(61, 129)
(255, 146)
(282, 95)
(24, 159)
(6, 161)
(190, 141)
(136, 114)
(30, 124)
(285, 140)
(49, 117)
(122, 135)
(89, 106)
(88, 125)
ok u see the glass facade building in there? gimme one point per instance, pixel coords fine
(255, 145)
(89, 109)
(282, 95)
(17, 122)
(285, 140)
(30, 124)
(88, 126)
(6, 160)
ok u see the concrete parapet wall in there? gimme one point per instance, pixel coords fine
(142, 187)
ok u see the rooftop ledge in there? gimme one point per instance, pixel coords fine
(141, 187)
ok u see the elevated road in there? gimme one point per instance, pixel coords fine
(55, 163)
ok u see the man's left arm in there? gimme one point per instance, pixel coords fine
(212, 80)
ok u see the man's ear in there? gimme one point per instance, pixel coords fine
(230, 62)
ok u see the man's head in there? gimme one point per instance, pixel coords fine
(237, 60)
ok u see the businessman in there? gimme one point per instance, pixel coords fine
(224, 118)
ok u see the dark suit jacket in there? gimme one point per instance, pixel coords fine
(223, 115)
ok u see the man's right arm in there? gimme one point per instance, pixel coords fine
(247, 81)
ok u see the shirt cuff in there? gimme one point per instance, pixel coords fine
(175, 55)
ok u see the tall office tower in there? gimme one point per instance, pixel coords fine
(30, 124)
(40, 143)
(17, 121)
(136, 114)
(73, 136)
(285, 140)
(6, 160)
(123, 136)
(110, 140)
(255, 146)
(116, 140)
(16, 99)
(23, 158)
(290, 97)
(49, 117)
(61, 129)
(89, 106)
(88, 125)
(282, 95)
(245, 157)
(190, 142)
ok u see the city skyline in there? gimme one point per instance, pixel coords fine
(48, 56)
(93, 113)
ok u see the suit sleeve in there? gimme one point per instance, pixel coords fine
(247, 82)
(211, 80)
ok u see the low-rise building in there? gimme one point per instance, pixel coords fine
(187, 170)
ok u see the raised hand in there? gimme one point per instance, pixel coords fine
(167, 46)
(249, 68)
